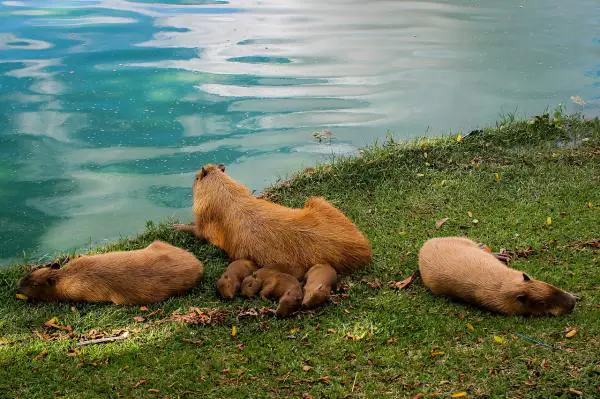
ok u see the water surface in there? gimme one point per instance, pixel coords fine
(107, 108)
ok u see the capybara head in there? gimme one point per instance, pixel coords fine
(289, 303)
(250, 286)
(537, 298)
(39, 283)
(227, 286)
(314, 297)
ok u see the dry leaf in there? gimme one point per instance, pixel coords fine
(548, 221)
(233, 331)
(497, 176)
(53, 323)
(153, 390)
(470, 327)
(475, 221)
(420, 174)
(140, 382)
(575, 391)
(391, 341)
(419, 396)
(590, 205)
(470, 214)
(325, 379)
(462, 394)
(375, 284)
(441, 222)
(307, 368)
(144, 308)
(139, 319)
(437, 353)
(459, 138)
(529, 382)
(331, 331)
(294, 330)
(570, 333)
(41, 355)
(499, 340)
(22, 297)
(73, 352)
(398, 285)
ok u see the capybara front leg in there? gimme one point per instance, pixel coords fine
(320, 280)
(267, 289)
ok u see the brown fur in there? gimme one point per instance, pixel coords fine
(458, 268)
(320, 280)
(231, 280)
(142, 276)
(275, 284)
(273, 235)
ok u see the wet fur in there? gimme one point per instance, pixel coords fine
(141, 276)
(276, 285)
(231, 280)
(458, 268)
(293, 240)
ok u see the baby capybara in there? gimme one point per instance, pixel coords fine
(320, 281)
(141, 276)
(277, 285)
(231, 280)
(458, 268)
(291, 239)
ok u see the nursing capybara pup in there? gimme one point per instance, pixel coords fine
(277, 285)
(231, 280)
(320, 280)
(141, 276)
(458, 268)
(293, 240)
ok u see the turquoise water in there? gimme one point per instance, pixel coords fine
(108, 107)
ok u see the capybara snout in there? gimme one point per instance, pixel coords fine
(538, 298)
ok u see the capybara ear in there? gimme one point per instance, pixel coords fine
(221, 167)
(55, 265)
(521, 297)
(51, 281)
(526, 277)
(203, 173)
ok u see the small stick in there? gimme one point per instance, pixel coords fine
(535, 341)
(354, 383)
(103, 340)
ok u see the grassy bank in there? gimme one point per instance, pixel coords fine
(520, 184)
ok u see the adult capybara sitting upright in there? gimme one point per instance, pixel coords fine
(458, 268)
(292, 240)
(141, 276)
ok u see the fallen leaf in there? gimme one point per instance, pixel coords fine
(144, 308)
(470, 327)
(529, 382)
(441, 222)
(590, 205)
(461, 394)
(499, 340)
(391, 341)
(570, 333)
(307, 368)
(375, 284)
(420, 174)
(398, 285)
(4, 341)
(193, 341)
(41, 355)
(437, 353)
(73, 352)
(53, 323)
(325, 379)
(153, 390)
(22, 297)
(470, 214)
(139, 319)
(575, 391)
(548, 221)
(475, 221)
(419, 396)
(497, 176)
(331, 331)
(294, 330)
(233, 331)
(459, 138)
(546, 364)
(140, 382)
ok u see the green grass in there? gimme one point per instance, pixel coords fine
(375, 342)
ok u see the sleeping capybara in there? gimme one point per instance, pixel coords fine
(231, 280)
(275, 284)
(458, 268)
(291, 239)
(320, 280)
(141, 276)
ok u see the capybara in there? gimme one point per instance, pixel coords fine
(291, 239)
(231, 280)
(320, 280)
(277, 285)
(141, 276)
(458, 268)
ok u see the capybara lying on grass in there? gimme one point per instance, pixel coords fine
(293, 240)
(141, 276)
(458, 268)
(277, 285)
(231, 280)
(320, 281)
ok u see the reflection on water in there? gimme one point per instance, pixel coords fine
(108, 107)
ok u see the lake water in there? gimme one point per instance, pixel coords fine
(107, 108)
